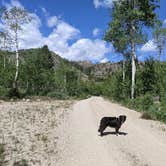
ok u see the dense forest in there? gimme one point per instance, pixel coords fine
(40, 72)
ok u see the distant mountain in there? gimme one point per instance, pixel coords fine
(98, 71)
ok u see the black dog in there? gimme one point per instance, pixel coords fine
(114, 122)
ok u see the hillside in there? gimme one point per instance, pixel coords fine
(87, 68)
(99, 70)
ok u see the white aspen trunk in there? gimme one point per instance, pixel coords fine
(17, 66)
(133, 70)
(4, 55)
(17, 61)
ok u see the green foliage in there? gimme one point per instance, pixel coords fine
(58, 95)
(159, 35)
(161, 83)
(147, 102)
(149, 77)
(142, 103)
(37, 72)
(125, 30)
(126, 14)
(15, 17)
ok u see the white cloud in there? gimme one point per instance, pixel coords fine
(12, 3)
(52, 21)
(66, 31)
(58, 39)
(96, 32)
(30, 36)
(164, 22)
(16, 3)
(104, 60)
(44, 10)
(103, 3)
(86, 49)
(149, 46)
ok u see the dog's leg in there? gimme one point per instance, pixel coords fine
(117, 130)
(101, 129)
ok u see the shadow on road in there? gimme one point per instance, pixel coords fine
(114, 133)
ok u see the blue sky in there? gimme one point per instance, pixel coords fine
(73, 28)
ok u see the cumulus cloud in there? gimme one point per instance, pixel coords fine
(86, 49)
(52, 21)
(149, 46)
(96, 32)
(103, 3)
(66, 31)
(64, 39)
(58, 39)
(30, 36)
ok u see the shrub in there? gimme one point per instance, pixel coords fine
(147, 102)
(58, 95)
(13, 93)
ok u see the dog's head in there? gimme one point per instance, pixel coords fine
(122, 118)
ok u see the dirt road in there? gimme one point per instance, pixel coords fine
(142, 142)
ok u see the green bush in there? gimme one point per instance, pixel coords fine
(142, 103)
(13, 92)
(58, 95)
(147, 102)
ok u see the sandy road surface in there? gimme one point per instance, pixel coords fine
(142, 142)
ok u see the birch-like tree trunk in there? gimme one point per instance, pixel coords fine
(15, 86)
(133, 58)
